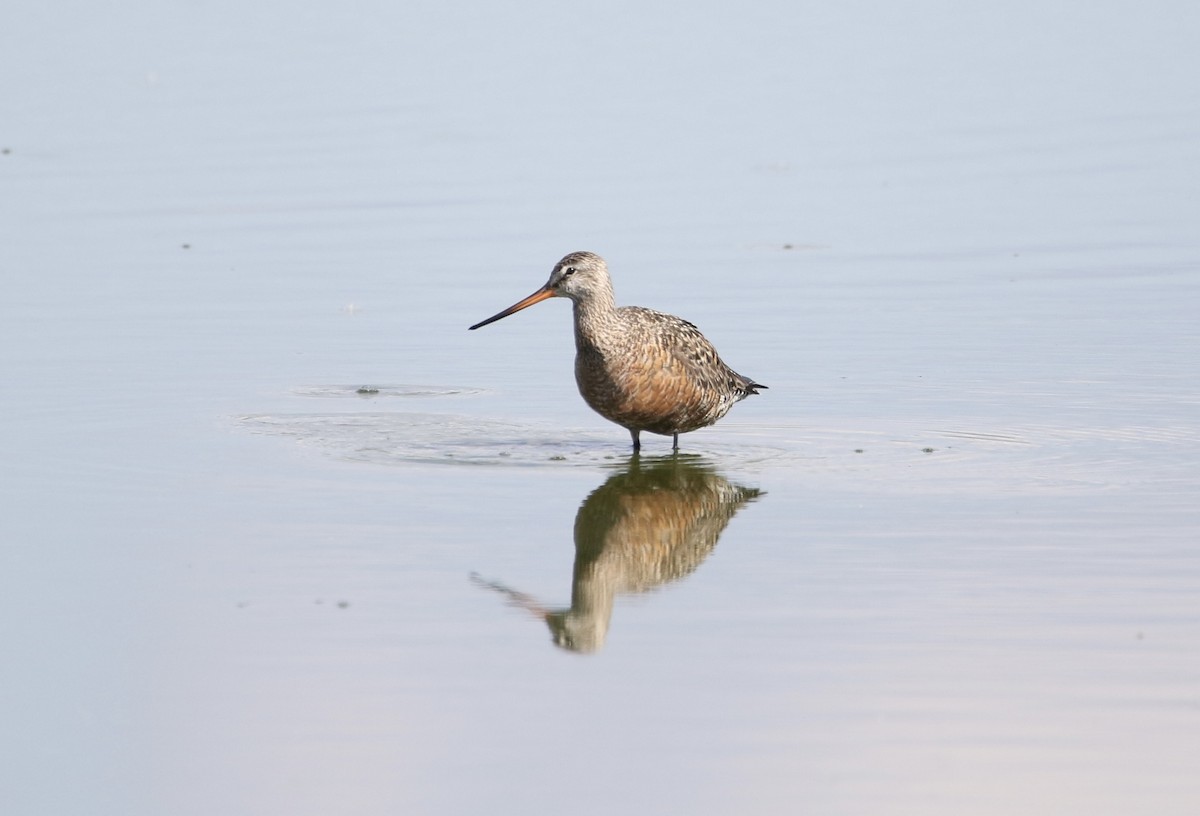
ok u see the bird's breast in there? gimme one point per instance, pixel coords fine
(643, 387)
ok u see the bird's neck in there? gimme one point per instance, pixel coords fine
(593, 314)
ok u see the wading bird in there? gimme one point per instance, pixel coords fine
(642, 369)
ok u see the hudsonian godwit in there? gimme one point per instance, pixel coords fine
(642, 369)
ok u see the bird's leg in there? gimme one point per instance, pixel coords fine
(675, 442)
(637, 442)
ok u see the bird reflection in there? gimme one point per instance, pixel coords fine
(653, 522)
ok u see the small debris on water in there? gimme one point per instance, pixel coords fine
(343, 604)
(367, 390)
(926, 450)
(558, 457)
(858, 450)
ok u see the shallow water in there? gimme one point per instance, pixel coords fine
(282, 536)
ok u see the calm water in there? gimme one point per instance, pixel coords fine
(947, 564)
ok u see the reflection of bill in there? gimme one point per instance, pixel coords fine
(651, 523)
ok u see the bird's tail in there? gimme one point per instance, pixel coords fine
(748, 386)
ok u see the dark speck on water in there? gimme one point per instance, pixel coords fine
(367, 390)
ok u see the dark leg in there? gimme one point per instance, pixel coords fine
(675, 442)
(637, 442)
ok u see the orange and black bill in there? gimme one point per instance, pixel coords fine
(536, 297)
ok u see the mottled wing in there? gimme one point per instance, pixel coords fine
(685, 380)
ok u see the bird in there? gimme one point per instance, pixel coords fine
(652, 522)
(642, 369)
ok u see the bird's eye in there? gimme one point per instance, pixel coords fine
(570, 270)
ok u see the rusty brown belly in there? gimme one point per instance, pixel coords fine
(654, 395)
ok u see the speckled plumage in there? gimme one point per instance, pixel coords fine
(650, 523)
(642, 369)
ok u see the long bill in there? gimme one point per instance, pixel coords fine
(537, 297)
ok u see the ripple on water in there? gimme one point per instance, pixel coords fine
(370, 390)
(404, 437)
(985, 456)
(975, 455)
(391, 438)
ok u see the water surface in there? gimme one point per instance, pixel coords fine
(282, 536)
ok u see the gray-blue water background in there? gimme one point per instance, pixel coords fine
(947, 564)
